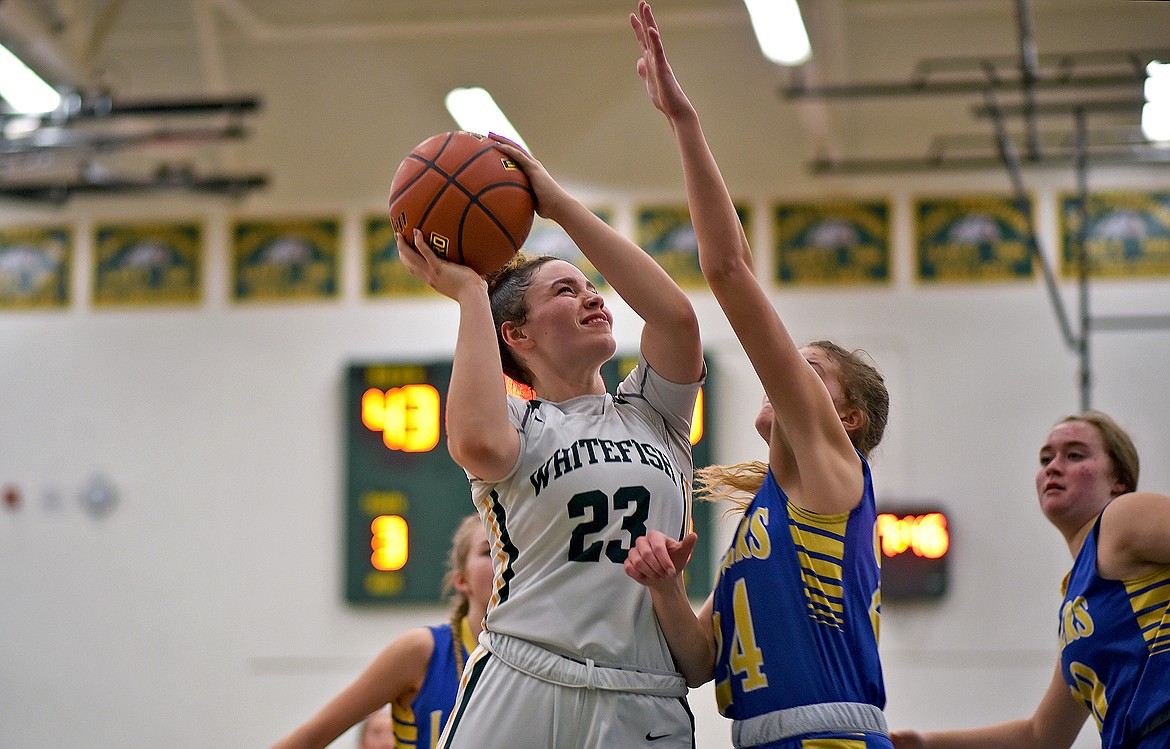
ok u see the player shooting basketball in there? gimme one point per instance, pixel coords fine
(572, 654)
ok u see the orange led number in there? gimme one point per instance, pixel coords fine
(924, 535)
(697, 419)
(407, 417)
(390, 542)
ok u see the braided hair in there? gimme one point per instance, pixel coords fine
(457, 565)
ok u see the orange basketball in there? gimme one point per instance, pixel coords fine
(473, 204)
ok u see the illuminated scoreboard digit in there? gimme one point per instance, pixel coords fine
(405, 495)
(914, 544)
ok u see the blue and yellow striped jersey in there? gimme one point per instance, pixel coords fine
(796, 608)
(419, 726)
(1115, 650)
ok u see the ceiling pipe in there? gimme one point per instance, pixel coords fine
(974, 86)
(1128, 106)
(1029, 71)
(58, 192)
(939, 163)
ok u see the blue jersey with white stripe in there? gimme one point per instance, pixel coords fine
(1115, 650)
(796, 608)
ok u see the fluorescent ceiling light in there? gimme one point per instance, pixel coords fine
(1156, 112)
(780, 31)
(476, 111)
(23, 89)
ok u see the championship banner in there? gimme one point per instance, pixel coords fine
(548, 238)
(34, 267)
(984, 238)
(832, 243)
(386, 276)
(1127, 234)
(286, 260)
(665, 232)
(147, 264)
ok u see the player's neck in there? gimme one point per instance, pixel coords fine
(474, 621)
(561, 387)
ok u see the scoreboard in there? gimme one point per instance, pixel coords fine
(915, 543)
(404, 495)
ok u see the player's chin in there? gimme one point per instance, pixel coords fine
(609, 342)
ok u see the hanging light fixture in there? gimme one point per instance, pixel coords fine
(475, 111)
(1156, 110)
(24, 90)
(780, 31)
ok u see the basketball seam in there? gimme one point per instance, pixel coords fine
(452, 180)
(473, 200)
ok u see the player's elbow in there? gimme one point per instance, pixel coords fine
(697, 677)
(481, 455)
(684, 322)
(725, 271)
(697, 666)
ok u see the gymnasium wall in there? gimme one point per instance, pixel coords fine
(205, 609)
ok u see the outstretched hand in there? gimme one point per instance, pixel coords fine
(661, 86)
(445, 277)
(656, 558)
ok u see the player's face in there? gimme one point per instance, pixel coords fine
(1076, 477)
(764, 420)
(828, 370)
(476, 580)
(566, 312)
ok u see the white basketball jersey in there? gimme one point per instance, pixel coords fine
(594, 473)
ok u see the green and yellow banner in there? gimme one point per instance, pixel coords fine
(970, 239)
(147, 264)
(288, 260)
(832, 243)
(35, 263)
(1126, 234)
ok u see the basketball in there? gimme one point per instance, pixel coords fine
(472, 203)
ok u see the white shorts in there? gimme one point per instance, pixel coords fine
(545, 700)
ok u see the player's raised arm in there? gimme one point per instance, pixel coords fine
(480, 437)
(670, 336)
(813, 431)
